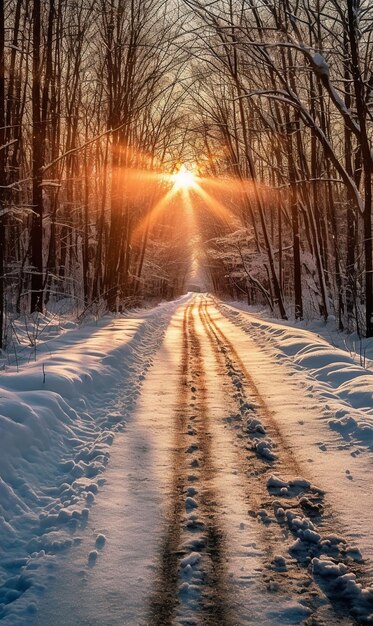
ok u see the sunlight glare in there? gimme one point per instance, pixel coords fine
(183, 179)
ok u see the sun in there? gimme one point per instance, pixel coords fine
(183, 179)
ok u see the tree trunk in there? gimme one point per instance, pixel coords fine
(37, 164)
(2, 170)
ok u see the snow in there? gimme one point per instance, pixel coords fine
(344, 584)
(359, 348)
(89, 451)
(320, 65)
(322, 401)
(56, 436)
(325, 362)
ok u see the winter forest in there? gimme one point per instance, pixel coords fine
(186, 312)
(146, 145)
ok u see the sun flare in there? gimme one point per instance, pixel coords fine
(184, 178)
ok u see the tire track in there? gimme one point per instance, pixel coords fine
(197, 529)
(216, 608)
(229, 361)
(232, 358)
(256, 473)
(164, 600)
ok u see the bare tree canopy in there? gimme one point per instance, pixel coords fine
(151, 144)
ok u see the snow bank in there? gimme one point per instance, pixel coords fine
(57, 423)
(321, 401)
(359, 348)
(337, 369)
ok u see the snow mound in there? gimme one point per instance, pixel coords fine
(57, 426)
(340, 371)
(343, 583)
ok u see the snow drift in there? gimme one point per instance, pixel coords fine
(57, 422)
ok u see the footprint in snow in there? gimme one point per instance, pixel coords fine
(92, 558)
(100, 541)
(190, 503)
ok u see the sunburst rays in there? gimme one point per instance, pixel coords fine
(184, 189)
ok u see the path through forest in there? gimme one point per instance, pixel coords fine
(210, 514)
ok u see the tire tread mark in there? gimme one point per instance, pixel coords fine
(217, 336)
(164, 600)
(216, 609)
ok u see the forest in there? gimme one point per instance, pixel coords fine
(267, 105)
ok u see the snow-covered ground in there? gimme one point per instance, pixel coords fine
(59, 415)
(321, 358)
(359, 348)
(323, 402)
(162, 466)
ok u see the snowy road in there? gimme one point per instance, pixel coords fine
(228, 499)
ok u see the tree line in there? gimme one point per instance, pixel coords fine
(271, 100)
(285, 102)
(89, 119)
